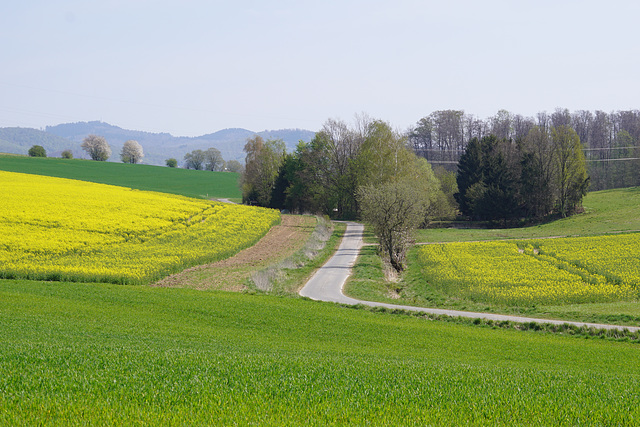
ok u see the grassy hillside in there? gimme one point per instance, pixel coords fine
(108, 354)
(608, 211)
(191, 183)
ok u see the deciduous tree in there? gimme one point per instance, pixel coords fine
(131, 152)
(194, 160)
(537, 173)
(394, 209)
(234, 166)
(262, 165)
(37, 151)
(572, 180)
(97, 148)
(213, 160)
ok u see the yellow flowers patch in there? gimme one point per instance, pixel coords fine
(554, 271)
(60, 229)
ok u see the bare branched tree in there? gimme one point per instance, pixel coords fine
(213, 160)
(394, 209)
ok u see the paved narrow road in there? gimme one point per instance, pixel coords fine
(327, 283)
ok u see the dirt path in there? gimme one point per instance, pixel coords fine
(327, 284)
(230, 274)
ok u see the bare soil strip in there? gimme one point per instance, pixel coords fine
(231, 274)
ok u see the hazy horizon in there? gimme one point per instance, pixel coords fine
(196, 67)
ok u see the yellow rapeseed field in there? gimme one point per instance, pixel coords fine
(554, 271)
(61, 229)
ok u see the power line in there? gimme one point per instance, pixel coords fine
(613, 160)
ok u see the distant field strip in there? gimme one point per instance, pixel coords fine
(555, 271)
(60, 229)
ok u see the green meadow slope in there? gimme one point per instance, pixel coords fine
(605, 212)
(191, 183)
(87, 354)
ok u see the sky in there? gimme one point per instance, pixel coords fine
(193, 67)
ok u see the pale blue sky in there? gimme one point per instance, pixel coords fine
(192, 67)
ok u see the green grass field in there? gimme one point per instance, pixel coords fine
(102, 354)
(91, 354)
(607, 213)
(190, 183)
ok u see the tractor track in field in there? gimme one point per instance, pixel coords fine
(328, 282)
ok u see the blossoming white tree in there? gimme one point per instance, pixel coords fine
(131, 152)
(96, 147)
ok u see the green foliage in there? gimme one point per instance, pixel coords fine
(501, 181)
(67, 154)
(262, 166)
(323, 176)
(213, 160)
(537, 172)
(102, 354)
(326, 177)
(142, 177)
(486, 181)
(571, 178)
(280, 196)
(37, 151)
(172, 163)
(445, 206)
(469, 174)
(194, 160)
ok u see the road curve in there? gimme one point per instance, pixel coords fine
(327, 283)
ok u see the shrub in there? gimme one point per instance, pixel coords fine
(37, 151)
(67, 154)
(172, 163)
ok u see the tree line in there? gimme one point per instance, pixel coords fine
(209, 159)
(370, 171)
(365, 170)
(611, 141)
(541, 175)
(99, 149)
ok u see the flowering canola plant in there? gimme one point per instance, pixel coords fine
(554, 271)
(61, 229)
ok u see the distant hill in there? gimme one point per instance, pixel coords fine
(157, 146)
(18, 141)
(160, 146)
